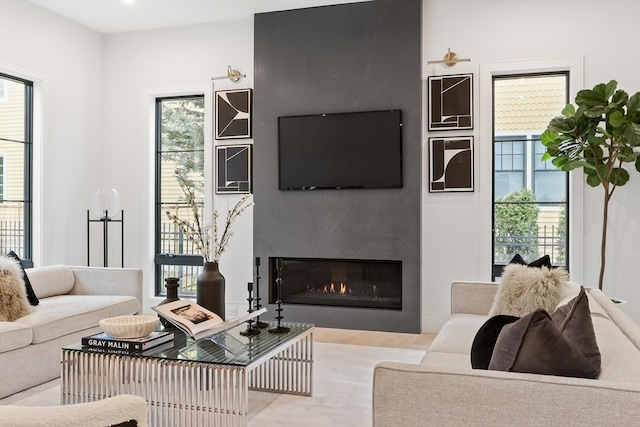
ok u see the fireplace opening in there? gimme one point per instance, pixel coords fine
(337, 282)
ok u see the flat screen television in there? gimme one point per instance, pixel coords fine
(340, 151)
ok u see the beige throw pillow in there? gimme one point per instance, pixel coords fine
(13, 296)
(522, 290)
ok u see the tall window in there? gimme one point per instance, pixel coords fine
(530, 197)
(179, 149)
(16, 148)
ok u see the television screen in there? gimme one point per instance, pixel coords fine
(343, 150)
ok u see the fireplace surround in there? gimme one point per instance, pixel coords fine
(338, 282)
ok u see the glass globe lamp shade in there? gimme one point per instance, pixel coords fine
(105, 204)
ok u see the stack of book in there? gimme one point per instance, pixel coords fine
(107, 342)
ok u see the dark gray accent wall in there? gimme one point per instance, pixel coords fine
(353, 57)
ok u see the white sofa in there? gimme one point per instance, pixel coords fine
(443, 390)
(72, 302)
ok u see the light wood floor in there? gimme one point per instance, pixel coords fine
(373, 338)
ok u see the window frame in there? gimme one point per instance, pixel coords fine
(27, 200)
(162, 259)
(530, 169)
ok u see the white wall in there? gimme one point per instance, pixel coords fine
(97, 93)
(65, 61)
(140, 66)
(456, 228)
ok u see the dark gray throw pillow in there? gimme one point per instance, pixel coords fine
(539, 345)
(31, 295)
(485, 340)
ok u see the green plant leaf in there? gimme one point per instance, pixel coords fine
(593, 180)
(632, 134)
(592, 97)
(560, 125)
(620, 97)
(569, 111)
(548, 137)
(610, 88)
(616, 119)
(633, 104)
(596, 111)
(619, 176)
(638, 164)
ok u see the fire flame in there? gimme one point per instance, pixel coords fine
(343, 289)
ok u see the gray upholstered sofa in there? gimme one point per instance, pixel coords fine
(443, 390)
(72, 302)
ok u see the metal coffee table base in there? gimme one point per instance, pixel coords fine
(187, 393)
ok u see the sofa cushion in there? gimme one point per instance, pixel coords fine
(485, 340)
(31, 295)
(457, 334)
(51, 280)
(620, 358)
(524, 289)
(13, 295)
(64, 314)
(14, 335)
(562, 343)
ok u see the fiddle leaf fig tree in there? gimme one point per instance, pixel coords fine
(599, 136)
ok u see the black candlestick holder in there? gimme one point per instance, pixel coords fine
(259, 324)
(251, 329)
(279, 329)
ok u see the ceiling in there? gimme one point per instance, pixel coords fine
(116, 16)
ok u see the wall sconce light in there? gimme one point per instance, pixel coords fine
(450, 58)
(233, 75)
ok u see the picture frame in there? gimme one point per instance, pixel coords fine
(451, 164)
(450, 102)
(234, 169)
(233, 114)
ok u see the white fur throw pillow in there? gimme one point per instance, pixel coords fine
(524, 289)
(13, 296)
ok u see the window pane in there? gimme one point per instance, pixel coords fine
(12, 170)
(530, 195)
(12, 107)
(15, 154)
(180, 150)
(12, 237)
(550, 186)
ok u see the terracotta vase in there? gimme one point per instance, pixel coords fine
(211, 288)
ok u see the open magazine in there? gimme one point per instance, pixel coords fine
(197, 321)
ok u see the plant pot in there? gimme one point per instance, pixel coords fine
(211, 289)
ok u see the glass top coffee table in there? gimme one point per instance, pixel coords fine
(193, 383)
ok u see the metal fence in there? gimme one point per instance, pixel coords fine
(532, 244)
(11, 237)
(173, 241)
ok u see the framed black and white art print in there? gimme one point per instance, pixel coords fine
(451, 164)
(233, 169)
(451, 102)
(233, 114)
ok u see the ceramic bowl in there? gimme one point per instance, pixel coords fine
(129, 326)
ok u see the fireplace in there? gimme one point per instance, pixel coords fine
(337, 282)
